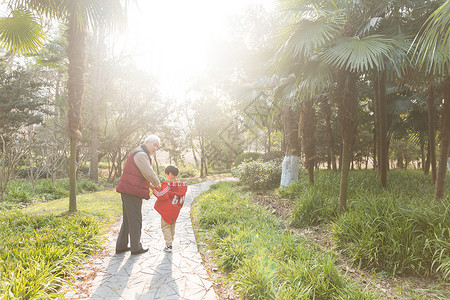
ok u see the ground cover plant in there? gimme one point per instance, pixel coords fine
(21, 191)
(41, 247)
(400, 230)
(263, 259)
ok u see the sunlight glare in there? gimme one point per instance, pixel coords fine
(170, 39)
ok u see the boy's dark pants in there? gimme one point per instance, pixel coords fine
(131, 223)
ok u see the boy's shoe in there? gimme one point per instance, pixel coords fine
(168, 249)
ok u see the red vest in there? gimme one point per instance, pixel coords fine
(170, 200)
(132, 181)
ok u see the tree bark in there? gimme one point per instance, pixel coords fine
(431, 128)
(348, 112)
(75, 87)
(330, 139)
(96, 98)
(73, 175)
(289, 173)
(380, 98)
(444, 140)
(308, 137)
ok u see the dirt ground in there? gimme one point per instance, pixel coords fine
(385, 286)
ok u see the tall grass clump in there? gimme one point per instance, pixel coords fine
(314, 204)
(398, 237)
(38, 253)
(400, 229)
(263, 259)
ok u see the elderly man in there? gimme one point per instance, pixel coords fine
(138, 176)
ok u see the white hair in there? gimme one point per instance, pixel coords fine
(152, 138)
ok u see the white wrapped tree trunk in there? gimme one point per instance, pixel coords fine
(289, 170)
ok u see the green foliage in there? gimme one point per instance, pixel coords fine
(400, 229)
(21, 99)
(21, 191)
(258, 175)
(314, 204)
(278, 155)
(390, 235)
(263, 260)
(38, 253)
(246, 157)
(88, 185)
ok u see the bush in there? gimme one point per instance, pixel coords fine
(88, 185)
(258, 175)
(273, 155)
(246, 157)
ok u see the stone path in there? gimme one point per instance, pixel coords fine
(155, 274)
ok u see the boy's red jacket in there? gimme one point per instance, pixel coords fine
(170, 200)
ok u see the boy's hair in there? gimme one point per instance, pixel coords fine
(172, 169)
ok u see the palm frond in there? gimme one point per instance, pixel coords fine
(432, 45)
(360, 55)
(21, 32)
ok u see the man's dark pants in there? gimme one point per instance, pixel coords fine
(131, 223)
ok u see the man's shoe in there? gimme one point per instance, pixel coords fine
(123, 250)
(139, 251)
(168, 249)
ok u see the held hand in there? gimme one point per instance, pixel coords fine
(155, 187)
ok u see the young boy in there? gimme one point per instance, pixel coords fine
(170, 200)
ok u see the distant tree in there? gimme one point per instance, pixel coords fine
(22, 104)
(22, 100)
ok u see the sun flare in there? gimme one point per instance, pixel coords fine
(170, 39)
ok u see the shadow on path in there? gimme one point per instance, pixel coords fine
(115, 278)
(163, 284)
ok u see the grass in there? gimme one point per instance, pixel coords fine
(41, 246)
(400, 229)
(20, 191)
(261, 258)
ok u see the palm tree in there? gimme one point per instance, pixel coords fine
(21, 31)
(79, 15)
(432, 54)
(329, 32)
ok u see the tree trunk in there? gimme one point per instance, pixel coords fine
(380, 98)
(348, 112)
(289, 173)
(330, 139)
(444, 140)
(96, 98)
(75, 87)
(431, 128)
(308, 137)
(73, 175)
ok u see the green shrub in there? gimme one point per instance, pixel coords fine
(88, 185)
(273, 155)
(258, 175)
(246, 157)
